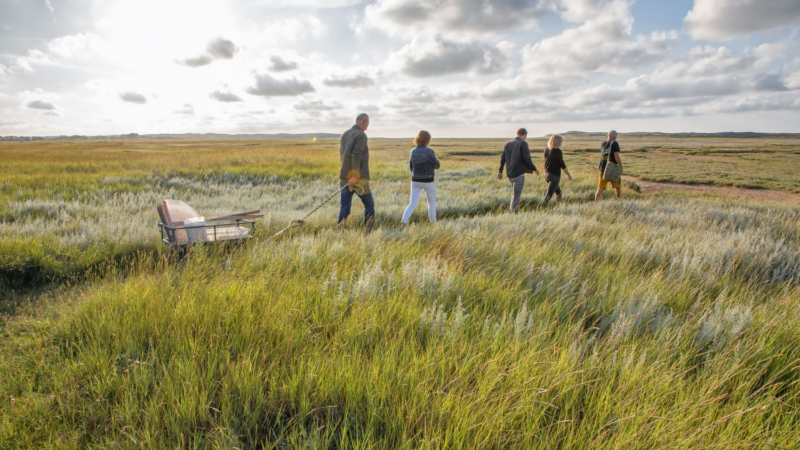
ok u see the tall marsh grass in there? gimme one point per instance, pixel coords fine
(643, 323)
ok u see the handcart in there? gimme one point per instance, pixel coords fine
(181, 226)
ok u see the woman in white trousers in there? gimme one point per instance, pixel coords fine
(423, 165)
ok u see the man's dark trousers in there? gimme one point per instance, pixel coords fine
(366, 199)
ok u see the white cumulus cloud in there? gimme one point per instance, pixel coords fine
(432, 56)
(725, 19)
(269, 86)
(603, 44)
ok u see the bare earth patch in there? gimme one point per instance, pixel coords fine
(761, 195)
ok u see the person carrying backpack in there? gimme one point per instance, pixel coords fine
(609, 152)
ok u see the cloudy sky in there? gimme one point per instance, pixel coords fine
(472, 68)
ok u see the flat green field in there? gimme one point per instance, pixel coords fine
(668, 320)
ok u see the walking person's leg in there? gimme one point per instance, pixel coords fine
(345, 202)
(412, 203)
(618, 189)
(601, 186)
(430, 195)
(552, 187)
(517, 184)
(369, 205)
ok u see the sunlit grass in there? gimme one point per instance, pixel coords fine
(666, 322)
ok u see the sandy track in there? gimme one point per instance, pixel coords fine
(761, 195)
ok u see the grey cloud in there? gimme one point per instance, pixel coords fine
(432, 111)
(427, 117)
(771, 82)
(581, 10)
(776, 104)
(534, 111)
(198, 61)
(422, 102)
(217, 49)
(708, 80)
(710, 70)
(725, 19)
(481, 16)
(368, 108)
(710, 61)
(520, 86)
(634, 102)
(653, 93)
(222, 48)
(227, 97)
(317, 105)
(255, 113)
(281, 65)
(652, 96)
(351, 81)
(268, 86)
(133, 97)
(500, 94)
(604, 93)
(187, 110)
(52, 113)
(405, 97)
(460, 94)
(502, 90)
(761, 102)
(721, 61)
(443, 57)
(793, 81)
(404, 13)
(648, 88)
(39, 104)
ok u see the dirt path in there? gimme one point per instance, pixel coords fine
(762, 195)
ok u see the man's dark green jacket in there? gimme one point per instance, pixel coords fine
(354, 155)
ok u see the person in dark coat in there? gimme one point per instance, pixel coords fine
(553, 165)
(516, 158)
(354, 171)
(609, 150)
